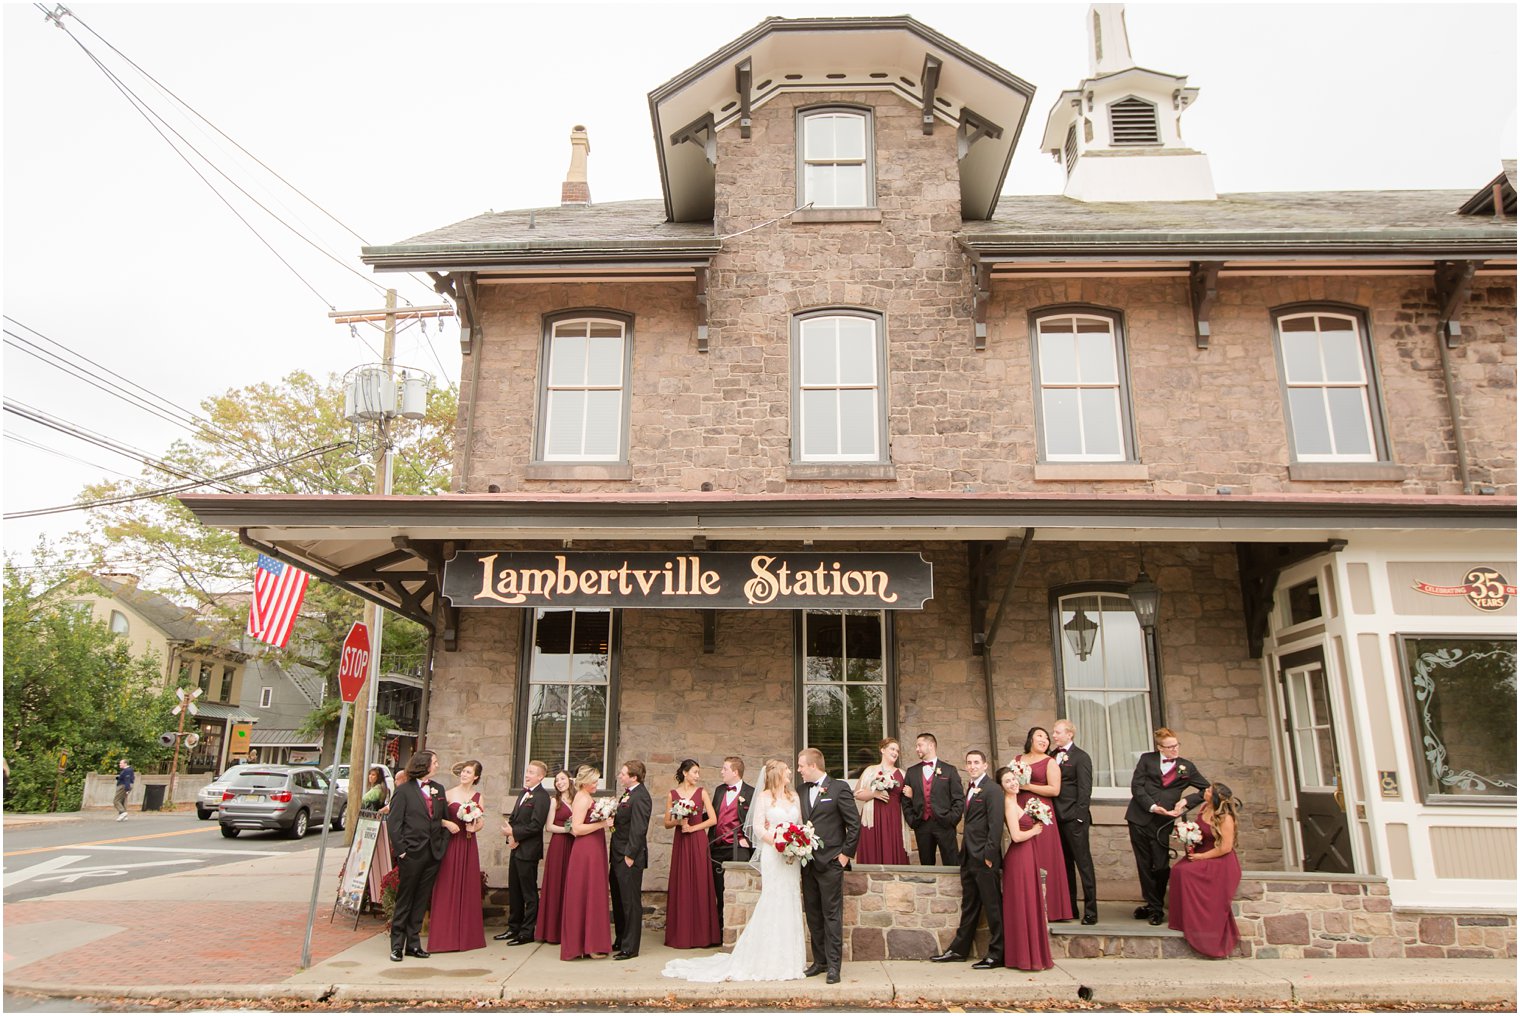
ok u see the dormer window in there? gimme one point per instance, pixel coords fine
(1134, 121)
(835, 163)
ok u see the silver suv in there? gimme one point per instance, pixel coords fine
(287, 798)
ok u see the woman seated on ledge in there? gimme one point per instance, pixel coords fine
(1204, 884)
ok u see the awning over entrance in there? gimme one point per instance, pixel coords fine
(391, 550)
(220, 711)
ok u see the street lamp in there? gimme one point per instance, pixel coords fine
(1145, 598)
(1081, 632)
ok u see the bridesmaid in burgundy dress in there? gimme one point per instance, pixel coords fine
(1203, 885)
(1026, 938)
(1046, 785)
(881, 814)
(586, 911)
(455, 921)
(691, 907)
(556, 861)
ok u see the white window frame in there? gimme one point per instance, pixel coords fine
(1119, 386)
(530, 680)
(887, 683)
(1365, 384)
(126, 623)
(266, 697)
(867, 159)
(547, 387)
(801, 325)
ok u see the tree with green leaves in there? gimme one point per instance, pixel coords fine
(72, 686)
(160, 540)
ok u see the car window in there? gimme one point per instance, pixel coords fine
(260, 780)
(318, 780)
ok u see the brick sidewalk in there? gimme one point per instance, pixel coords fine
(199, 943)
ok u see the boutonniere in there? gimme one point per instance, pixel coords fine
(938, 771)
(975, 791)
(742, 801)
(1060, 758)
(1181, 770)
(624, 799)
(427, 791)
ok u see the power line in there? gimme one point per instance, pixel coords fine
(177, 488)
(19, 439)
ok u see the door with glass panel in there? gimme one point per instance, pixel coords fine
(1309, 728)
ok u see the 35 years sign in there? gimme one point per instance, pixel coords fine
(724, 581)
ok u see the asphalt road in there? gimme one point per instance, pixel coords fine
(40, 861)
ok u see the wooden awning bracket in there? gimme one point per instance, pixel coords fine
(701, 131)
(1203, 287)
(461, 288)
(1453, 284)
(974, 127)
(744, 84)
(929, 77)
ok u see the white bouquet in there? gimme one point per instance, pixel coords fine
(1188, 834)
(683, 808)
(1022, 773)
(1038, 810)
(883, 782)
(470, 812)
(603, 809)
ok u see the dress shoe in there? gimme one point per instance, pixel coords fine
(814, 970)
(833, 977)
(1157, 919)
(987, 963)
(1142, 912)
(947, 957)
(418, 952)
(395, 955)
(521, 941)
(1089, 918)
(507, 936)
(623, 955)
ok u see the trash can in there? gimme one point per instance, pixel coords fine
(153, 796)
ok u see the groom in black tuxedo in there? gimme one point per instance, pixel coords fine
(418, 839)
(830, 805)
(525, 838)
(1074, 816)
(932, 802)
(1158, 797)
(628, 853)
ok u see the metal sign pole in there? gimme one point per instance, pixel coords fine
(316, 878)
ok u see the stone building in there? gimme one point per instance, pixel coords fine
(1282, 425)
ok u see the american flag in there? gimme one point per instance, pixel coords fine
(277, 592)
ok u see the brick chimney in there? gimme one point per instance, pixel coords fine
(575, 190)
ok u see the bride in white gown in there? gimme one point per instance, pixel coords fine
(772, 945)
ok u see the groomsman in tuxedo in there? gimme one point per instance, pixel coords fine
(1074, 816)
(932, 801)
(418, 839)
(726, 840)
(830, 805)
(629, 855)
(1158, 797)
(525, 838)
(981, 868)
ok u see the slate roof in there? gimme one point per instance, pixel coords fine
(1340, 220)
(175, 621)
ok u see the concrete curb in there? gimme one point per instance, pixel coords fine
(180, 992)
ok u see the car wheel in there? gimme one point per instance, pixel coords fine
(203, 814)
(337, 822)
(298, 827)
(230, 832)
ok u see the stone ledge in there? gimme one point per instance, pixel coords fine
(841, 471)
(815, 215)
(577, 471)
(1352, 472)
(1097, 471)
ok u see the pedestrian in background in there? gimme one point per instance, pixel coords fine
(125, 778)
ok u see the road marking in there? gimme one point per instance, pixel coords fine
(193, 850)
(52, 864)
(98, 843)
(52, 871)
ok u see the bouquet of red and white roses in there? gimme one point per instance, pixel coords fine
(883, 782)
(1039, 811)
(1188, 834)
(683, 808)
(603, 809)
(1022, 773)
(470, 812)
(797, 842)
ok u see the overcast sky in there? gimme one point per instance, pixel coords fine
(400, 118)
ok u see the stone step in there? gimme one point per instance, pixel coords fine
(1114, 920)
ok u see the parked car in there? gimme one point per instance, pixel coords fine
(290, 799)
(343, 775)
(210, 797)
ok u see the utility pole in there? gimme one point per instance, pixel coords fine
(360, 753)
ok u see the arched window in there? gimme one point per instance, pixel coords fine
(838, 393)
(835, 159)
(1082, 398)
(1105, 683)
(119, 623)
(584, 405)
(1328, 386)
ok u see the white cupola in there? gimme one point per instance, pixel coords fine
(1119, 135)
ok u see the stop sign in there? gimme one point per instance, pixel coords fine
(353, 665)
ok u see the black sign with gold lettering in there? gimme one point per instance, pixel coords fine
(695, 580)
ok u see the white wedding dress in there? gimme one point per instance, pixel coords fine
(772, 946)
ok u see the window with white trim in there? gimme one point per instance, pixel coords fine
(119, 623)
(1331, 401)
(1108, 691)
(834, 158)
(839, 404)
(1082, 402)
(584, 400)
(266, 698)
(844, 685)
(568, 686)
